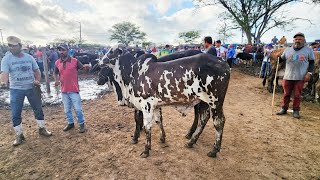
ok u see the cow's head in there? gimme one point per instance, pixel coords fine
(105, 75)
(113, 55)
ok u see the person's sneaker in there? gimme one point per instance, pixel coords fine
(82, 128)
(296, 114)
(68, 127)
(44, 132)
(282, 112)
(19, 140)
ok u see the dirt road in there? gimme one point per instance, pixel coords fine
(255, 145)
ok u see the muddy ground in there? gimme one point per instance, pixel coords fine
(256, 145)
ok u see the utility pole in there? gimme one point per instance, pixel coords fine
(80, 33)
(1, 37)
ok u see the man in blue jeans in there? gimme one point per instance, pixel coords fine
(24, 74)
(266, 61)
(66, 75)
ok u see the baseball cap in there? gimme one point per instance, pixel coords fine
(13, 40)
(63, 46)
(269, 45)
(298, 34)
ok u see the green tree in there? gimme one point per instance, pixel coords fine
(146, 43)
(126, 33)
(254, 17)
(189, 36)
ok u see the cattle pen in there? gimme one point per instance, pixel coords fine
(256, 145)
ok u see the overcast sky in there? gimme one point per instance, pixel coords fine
(41, 21)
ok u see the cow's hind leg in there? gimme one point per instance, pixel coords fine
(147, 121)
(218, 122)
(159, 121)
(195, 122)
(138, 117)
(204, 114)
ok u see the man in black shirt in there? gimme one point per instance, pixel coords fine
(209, 48)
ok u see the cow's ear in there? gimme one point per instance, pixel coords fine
(120, 52)
(113, 61)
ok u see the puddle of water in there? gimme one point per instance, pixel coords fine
(89, 89)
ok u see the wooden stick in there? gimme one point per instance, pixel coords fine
(274, 85)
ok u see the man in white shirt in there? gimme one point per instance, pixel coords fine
(266, 60)
(221, 51)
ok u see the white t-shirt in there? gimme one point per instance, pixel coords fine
(222, 52)
(268, 52)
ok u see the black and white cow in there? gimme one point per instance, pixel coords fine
(106, 75)
(184, 82)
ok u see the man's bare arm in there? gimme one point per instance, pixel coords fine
(4, 78)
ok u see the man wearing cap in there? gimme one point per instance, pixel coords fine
(299, 67)
(24, 74)
(66, 75)
(266, 61)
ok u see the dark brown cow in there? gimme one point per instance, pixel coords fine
(184, 82)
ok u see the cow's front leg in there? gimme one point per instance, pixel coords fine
(218, 122)
(159, 121)
(147, 121)
(204, 114)
(138, 117)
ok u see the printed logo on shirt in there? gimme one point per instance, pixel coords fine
(296, 58)
(25, 78)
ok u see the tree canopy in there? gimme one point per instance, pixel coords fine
(254, 17)
(126, 32)
(189, 36)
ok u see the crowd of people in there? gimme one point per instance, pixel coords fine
(23, 67)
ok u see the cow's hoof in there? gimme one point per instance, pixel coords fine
(189, 145)
(134, 141)
(162, 140)
(144, 154)
(188, 136)
(212, 154)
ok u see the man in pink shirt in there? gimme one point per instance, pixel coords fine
(66, 74)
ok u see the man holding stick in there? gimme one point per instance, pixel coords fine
(299, 67)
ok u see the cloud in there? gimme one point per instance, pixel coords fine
(41, 21)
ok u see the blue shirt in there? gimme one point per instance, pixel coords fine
(53, 57)
(231, 53)
(70, 52)
(20, 69)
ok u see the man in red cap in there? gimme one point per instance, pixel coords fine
(66, 75)
(299, 67)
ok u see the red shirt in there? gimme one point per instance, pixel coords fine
(39, 54)
(68, 74)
